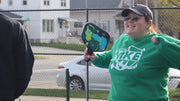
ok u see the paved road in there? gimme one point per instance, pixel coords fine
(38, 49)
(45, 69)
(52, 61)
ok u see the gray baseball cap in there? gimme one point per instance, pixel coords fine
(139, 9)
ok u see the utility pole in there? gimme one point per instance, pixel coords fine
(87, 63)
(146, 2)
(132, 3)
(156, 14)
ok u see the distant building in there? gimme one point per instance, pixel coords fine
(102, 18)
(56, 26)
(43, 26)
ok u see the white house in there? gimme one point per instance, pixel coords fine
(55, 26)
(43, 26)
(103, 18)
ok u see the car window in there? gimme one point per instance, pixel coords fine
(83, 62)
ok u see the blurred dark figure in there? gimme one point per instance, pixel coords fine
(16, 59)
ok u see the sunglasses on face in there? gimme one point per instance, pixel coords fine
(134, 17)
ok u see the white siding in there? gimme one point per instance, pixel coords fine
(34, 22)
(99, 17)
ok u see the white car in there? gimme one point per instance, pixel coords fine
(99, 78)
(174, 79)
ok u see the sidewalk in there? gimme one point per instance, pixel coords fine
(43, 98)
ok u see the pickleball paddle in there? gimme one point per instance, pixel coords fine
(95, 38)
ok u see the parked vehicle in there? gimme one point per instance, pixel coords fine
(99, 78)
(174, 79)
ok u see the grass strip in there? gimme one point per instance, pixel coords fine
(174, 94)
(77, 47)
(93, 94)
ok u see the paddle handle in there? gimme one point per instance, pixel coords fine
(89, 52)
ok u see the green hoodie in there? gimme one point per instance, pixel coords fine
(139, 68)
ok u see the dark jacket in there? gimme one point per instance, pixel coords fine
(16, 59)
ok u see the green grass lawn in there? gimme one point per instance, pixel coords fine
(78, 47)
(174, 94)
(39, 57)
(62, 93)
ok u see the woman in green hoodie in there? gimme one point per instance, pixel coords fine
(139, 60)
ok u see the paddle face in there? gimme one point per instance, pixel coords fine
(95, 38)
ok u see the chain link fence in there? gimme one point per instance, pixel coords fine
(48, 28)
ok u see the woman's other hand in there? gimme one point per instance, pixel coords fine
(153, 39)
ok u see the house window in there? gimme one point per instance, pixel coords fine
(78, 24)
(108, 25)
(102, 25)
(24, 2)
(60, 25)
(48, 25)
(46, 2)
(10, 3)
(121, 27)
(63, 3)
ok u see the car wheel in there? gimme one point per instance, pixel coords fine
(76, 83)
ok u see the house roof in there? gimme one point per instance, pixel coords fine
(95, 4)
(11, 15)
